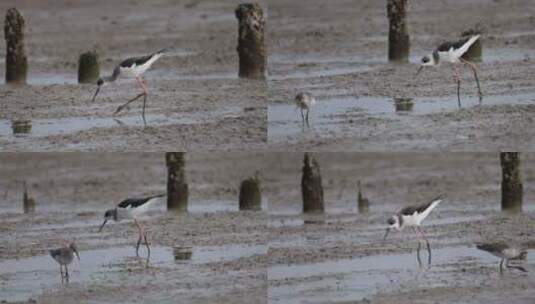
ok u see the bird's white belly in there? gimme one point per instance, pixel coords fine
(448, 57)
(133, 71)
(410, 220)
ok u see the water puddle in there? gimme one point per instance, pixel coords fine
(355, 279)
(337, 114)
(28, 277)
(17, 129)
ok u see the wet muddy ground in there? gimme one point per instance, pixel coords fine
(337, 51)
(212, 254)
(341, 258)
(217, 254)
(196, 99)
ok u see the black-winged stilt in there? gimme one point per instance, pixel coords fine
(412, 216)
(129, 209)
(64, 257)
(452, 52)
(506, 253)
(305, 101)
(132, 67)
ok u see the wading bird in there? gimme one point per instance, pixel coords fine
(412, 216)
(133, 68)
(64, 257)
(506, 253)
(305, 101)
(129, 209)
(452, 52)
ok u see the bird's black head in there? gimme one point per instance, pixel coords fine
(425, 59)
(100, 82)
(109, 215)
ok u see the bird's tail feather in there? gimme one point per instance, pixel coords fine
(432, 205)
(467, 44)
(159, 195)
(161, 52)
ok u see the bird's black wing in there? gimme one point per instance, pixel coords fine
(446, 46)
(136, 202)
(135, 61)
(420, 208)
(492, 247)
(55, 252)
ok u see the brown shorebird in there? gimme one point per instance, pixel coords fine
(64, 257)
(129, 209)
(506, 252)
(305, 101)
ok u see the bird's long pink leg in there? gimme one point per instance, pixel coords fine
(474, 69)
(457, 78)
(140, 236)
(426, 242)
(120, 108)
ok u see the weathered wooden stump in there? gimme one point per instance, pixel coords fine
(512, 189)
(177, 188)
(88, 67)
(250, 195)
(251, 48)
(16, 61)
(398, 35)
(28, 202)
(363, 203)
(182, 253)
(21, 126)
(475, 52)
(403, 104)
(311, 186)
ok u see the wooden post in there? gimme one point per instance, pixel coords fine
(311, 186)
(28, 202)
(398, 36)
(88, 67)
(475, 52)
(177, 188)
(250, 195)
(21, 126)
(363, 203)
(512, 189)
(403, 104)
(251, 48)
(16, 61)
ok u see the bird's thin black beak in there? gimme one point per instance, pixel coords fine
(96, 93)
(419, 70)
(386, 234)
(102, 226)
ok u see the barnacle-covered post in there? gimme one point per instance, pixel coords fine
(251, 47)
(311, 186)
(16, 61)
(398, 35)
(177, 188)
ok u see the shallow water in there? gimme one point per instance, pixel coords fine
(334, 115)
(61, 126)
(21, 279)
(355, 279)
